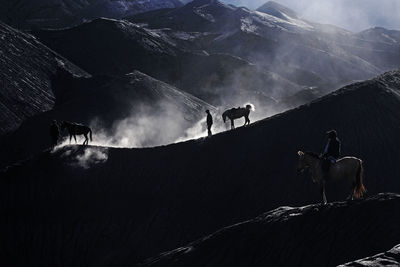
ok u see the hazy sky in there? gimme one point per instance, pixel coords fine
(355, 15)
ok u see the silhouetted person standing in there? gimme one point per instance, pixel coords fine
(331, 151)
(209, 122)
(54, 133)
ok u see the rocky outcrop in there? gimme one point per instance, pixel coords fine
(389, 258)
(313, 235)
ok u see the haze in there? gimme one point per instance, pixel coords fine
(354, 15)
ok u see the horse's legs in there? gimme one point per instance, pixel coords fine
(86, 142)
(232, 125)
(247, 121)
(324, 201)
(75, 138)
(70, 138)
(351, 195)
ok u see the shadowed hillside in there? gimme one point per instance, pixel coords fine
(114, 206)
(306, 236)
(26, 66)
(216, 78)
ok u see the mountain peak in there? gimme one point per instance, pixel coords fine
(277, 10)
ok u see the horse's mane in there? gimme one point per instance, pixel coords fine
(313, 154)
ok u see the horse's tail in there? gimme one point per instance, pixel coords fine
(359, 189)
(90, 134)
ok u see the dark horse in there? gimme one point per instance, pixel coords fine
(237, 113)
(75, 129)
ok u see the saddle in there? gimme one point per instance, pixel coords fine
(327, 162)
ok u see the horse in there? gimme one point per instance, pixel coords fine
(77, 129)
(350, 168)
(237, 113)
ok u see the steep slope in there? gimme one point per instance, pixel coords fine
(133, 110)
(120, 206)
(280, 41)
(303, 236)
(220, 79)
(389, 258)
(56, 13)
(25, 69)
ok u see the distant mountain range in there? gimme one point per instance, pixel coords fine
(275, 38)
(25, 14)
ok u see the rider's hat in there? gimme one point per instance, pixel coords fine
(207, 111)
(331, 134)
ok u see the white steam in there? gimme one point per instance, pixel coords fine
(83, 157)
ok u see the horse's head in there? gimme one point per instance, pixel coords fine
(224, 116)
(302, 163)
(250, 107)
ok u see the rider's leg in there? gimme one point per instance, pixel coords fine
(324, 201)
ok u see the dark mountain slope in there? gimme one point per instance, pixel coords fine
(304, 236)
(119, 206)
(26, 66)
(131, 110)
(389, 258)
(62, 13)
(216, 78)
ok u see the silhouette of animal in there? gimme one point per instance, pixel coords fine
(75, 129)
(237, 113)
(349, 168)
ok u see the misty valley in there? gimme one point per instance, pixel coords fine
(198, 133)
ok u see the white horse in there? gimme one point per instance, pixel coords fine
(350, 168)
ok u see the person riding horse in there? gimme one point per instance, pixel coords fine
(332, 150)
